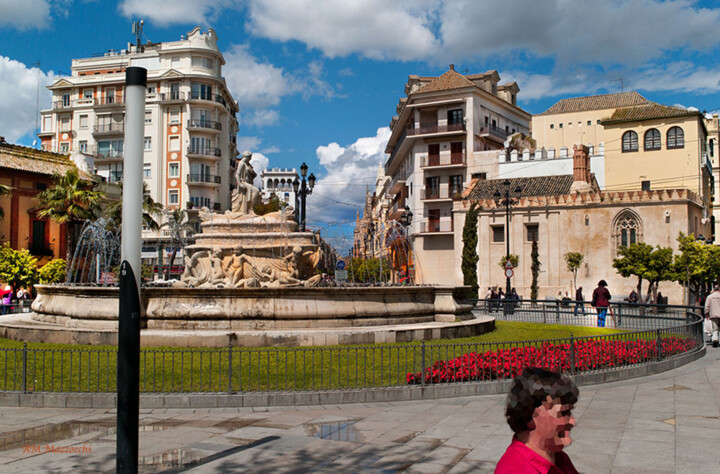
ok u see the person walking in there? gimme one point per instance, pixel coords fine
(712, 311)
(579, 301)
(601, 302)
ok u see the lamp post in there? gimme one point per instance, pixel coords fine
(406, 221)
(302, 190)
(504, 199)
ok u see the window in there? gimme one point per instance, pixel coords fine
(652, 139)
(456, 186)
(83, 122)
(455, 117)
(434, 154)
(174, 170)
(110, 96)
(47, 123)
(552, 126)
(200, 91)
(82, 145)
(65, 123)
(589, 122)
(116, 172)
(147, 144)
(456, 153)
(627, 229)
(64, 147)
(676, 138)
(200, 61)
(712, 147)
(109, 148)
(432, 187)
(148, 116)
(598, 122)
(531, 232)
(629, 141)
(560, 125)
(147, 171)
(66, 99)
(498, 233)
(87, 93)
(174, 143)
(174, 115)
(151, 88)
(175, 91)
(173, 196)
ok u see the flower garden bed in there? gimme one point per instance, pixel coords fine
(581, 355)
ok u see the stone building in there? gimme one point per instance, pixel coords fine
(279, 181)
(570, 213)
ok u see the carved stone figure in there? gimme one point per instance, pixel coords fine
(246, 195)
(198, 268)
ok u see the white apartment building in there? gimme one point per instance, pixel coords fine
(190, 118)
(447, 130)
(279, 181)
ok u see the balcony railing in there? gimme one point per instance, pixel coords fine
(62, 104)
(168, 96)
(202, 123)
(107, 155)
(443, 193)
(427, 128)
(114, 100)
(489, 129)
(195, 95)
(204, 150)
(432, 226)
(115, 176)
(117, 127)
(203, 178)
(443, 159)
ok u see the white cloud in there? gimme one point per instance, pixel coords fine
(24, 14)
(167, 12)
(575, 32)
(260, 163)
(248, 143)
(679, 76)
(18, 97)
(348, 170)
(375, 29)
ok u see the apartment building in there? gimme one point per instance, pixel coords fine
(279, 181)
(447, 130)
(190, 118)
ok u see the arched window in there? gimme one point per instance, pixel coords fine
(627, 229)
(629, 141)
(676, 138)
(652, 139)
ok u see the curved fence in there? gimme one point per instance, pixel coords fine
(646, 334)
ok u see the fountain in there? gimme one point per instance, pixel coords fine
(250, 280)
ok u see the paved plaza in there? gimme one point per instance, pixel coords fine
(668, 422)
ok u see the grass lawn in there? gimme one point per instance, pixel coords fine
(58, 367)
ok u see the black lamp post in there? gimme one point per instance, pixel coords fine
(504, 199)
(406, 221)
(302, 190)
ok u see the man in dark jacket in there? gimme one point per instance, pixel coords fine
(601, 302)
(579, 301)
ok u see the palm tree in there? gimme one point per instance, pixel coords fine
(70, 201)
(179, 228)
(4, 191)
(151, 210)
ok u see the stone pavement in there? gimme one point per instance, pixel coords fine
(668, 422)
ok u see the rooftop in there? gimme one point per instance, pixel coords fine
(646, 112)
(534, 186)
(33, 161)
(597, 102)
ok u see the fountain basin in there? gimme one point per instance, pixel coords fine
(285, 316)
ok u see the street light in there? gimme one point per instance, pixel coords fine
(504, 199)
(406, 221)
(302, 190)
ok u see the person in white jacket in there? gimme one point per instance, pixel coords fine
(712, 310)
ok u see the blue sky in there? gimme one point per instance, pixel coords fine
(319, 80)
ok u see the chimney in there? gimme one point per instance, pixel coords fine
(452, 67)
(2, 139)
(581, 169)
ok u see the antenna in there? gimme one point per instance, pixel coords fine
(620, 80)
(137, 28)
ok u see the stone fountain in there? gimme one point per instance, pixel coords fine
(250, 280)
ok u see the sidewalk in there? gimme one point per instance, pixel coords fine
(668, 422)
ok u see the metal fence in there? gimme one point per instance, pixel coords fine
(668, 334)
(22, 306)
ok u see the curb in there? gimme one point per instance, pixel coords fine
(325, 397)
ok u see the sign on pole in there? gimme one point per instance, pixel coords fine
(508, 264)
(340, 265)
(341, 275)
(508, 272)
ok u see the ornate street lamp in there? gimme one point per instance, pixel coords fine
(302, 190)
(504, 199)
(406, 221)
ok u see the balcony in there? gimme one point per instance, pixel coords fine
(62, 104)
(204, 124)
(494, 132)
(436, 227)
(431, 128)
(107, 155)
(444, 159)
(109, 128)
(111, 101)
(442, 194)
(397, 182)
(204, 151)
(173, 96)
(217, 98)
(203, 179)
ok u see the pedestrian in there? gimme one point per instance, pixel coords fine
(7, 295)
(488, 299)
(579, 301)
(539, 412)
(633, 297)
(512, 301)
(601, 302)
(566, 299)
(712, 311)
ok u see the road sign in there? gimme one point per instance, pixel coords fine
(340, 265)
(341, 275)
(508, 272)
(508, 264)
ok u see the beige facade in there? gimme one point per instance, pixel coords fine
(713, 151)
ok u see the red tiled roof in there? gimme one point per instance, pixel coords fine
(597, 102)
(646, 112)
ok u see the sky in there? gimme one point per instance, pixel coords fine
(318, 81)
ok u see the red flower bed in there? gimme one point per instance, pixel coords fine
(590, 354)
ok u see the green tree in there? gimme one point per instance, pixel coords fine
(573, 260)
(535, 270)
(4, 191)
(179, 229)
(514, 259)
(698, 265)
(274, 204)
(17, 267)
(53, 272)
(70, 201)
(369, 270)
(469, 252)
(646, 263)
(151, 211)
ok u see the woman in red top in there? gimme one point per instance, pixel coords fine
(539, 411)
(601, 301)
